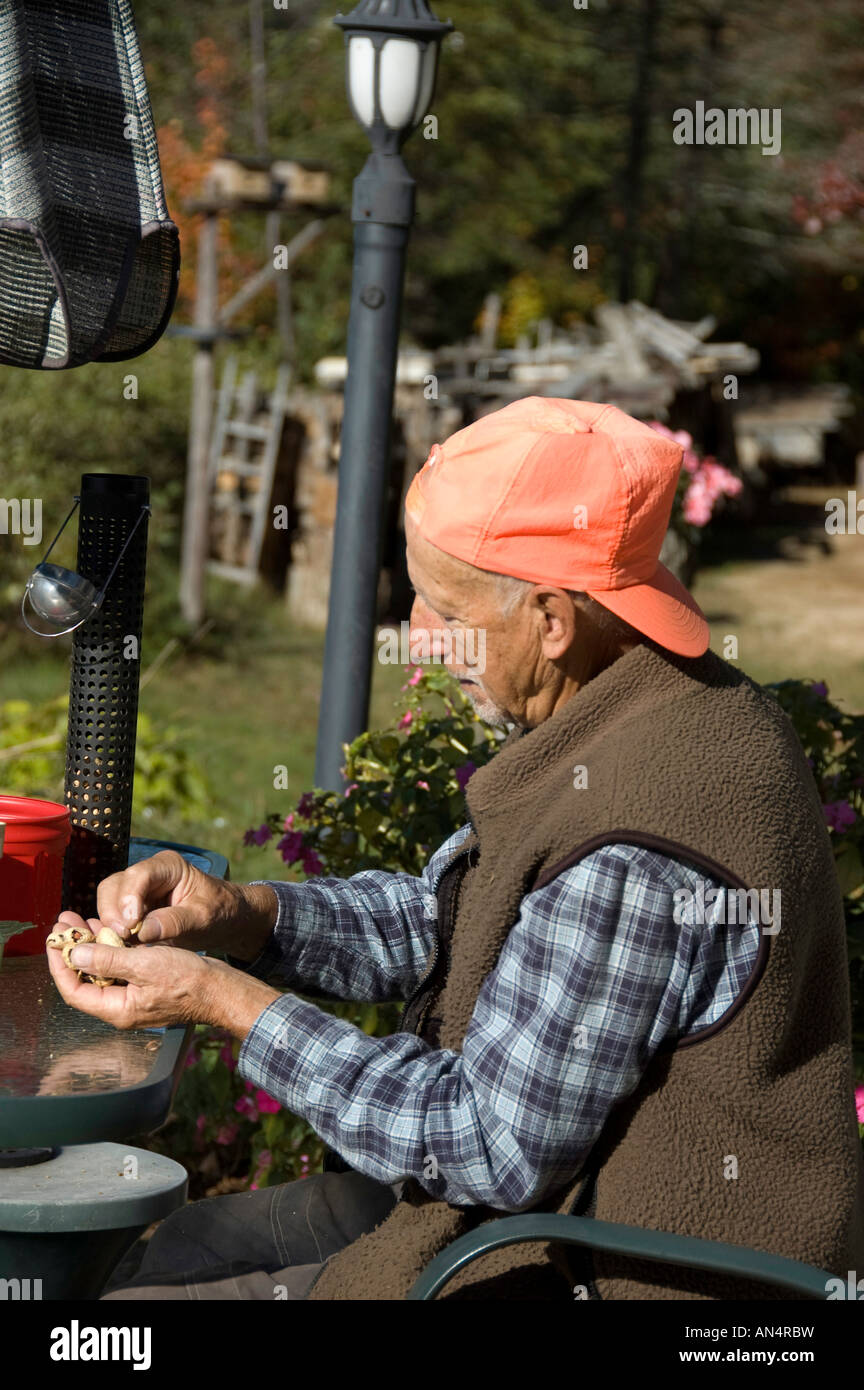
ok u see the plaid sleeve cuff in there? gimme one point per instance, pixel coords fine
(271, 963)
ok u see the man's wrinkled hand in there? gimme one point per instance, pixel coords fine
(163, 987)
(176, 902)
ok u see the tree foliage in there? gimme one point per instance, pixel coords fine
(554, 128)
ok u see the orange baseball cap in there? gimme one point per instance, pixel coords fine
(571, 493)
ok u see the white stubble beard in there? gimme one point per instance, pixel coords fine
(486, 709)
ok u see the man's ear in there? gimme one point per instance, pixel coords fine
(558, 619)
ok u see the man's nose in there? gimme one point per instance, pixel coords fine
(425, 629)
(422, 618)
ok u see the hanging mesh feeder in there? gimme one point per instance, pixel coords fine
(103, 689)
(89, 258)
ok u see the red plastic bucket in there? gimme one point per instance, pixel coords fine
(31, 868)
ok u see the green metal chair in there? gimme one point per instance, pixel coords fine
(663, 1246)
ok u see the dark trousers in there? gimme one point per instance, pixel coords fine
(268, 1244)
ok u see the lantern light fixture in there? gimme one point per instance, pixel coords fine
(392, 60)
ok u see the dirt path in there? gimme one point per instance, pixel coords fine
(800, 613)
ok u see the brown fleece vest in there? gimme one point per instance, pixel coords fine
(691, 758)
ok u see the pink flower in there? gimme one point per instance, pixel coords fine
(311, 863)
(266, 1104)
(226, 1134)
(405, 720)
(859, 1104)
(226, 1054)
(200, 1123)
(265, 1159)
(697, 506)
(839, 815)
(719, 480)
(352, 787)
(464, 773)
(417, 676)
(710, 479)
(291, 846)
(424, 785)
(245, 1106)
(289, 822)
(680, 436)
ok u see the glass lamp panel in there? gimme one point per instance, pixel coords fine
(361, 77)
(427, 82)
(399, 82)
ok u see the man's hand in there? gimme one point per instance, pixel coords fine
(164, 987)
(180, 904)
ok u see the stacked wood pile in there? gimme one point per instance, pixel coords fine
(631, 356)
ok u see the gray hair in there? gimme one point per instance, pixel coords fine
(512, 592)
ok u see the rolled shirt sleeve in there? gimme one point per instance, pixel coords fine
(594, 976)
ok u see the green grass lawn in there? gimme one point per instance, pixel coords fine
(240, 711)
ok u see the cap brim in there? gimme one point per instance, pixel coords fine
(663, 610)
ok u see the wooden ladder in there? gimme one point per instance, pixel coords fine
(243, 455)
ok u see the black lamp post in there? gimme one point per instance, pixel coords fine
(392, 57)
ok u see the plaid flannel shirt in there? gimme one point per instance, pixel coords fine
(594, 976)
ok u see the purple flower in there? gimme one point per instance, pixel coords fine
(311, 863)
(463, 774)
(259, 836)
(839, 815)
(306, 805)
(819, 688)
(291, 846)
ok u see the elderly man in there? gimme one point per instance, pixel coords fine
(595, 1020)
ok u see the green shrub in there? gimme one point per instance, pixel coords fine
(33, 753)
(405, 789)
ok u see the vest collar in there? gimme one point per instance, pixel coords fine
(639, 677)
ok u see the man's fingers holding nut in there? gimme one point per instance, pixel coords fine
(124, 899)
(109, 962)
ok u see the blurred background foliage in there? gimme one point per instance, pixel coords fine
(168, 782)
(554, 129)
